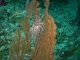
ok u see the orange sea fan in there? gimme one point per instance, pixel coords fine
(26, 27)
(18, 48)
(32, 8)
(46, 41)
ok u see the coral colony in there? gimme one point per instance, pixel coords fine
(44, 32)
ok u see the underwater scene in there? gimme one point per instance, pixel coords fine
(39, 29)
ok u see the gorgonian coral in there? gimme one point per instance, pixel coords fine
(46, 40)
(44, 32)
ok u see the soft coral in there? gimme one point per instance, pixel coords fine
(46, 41)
